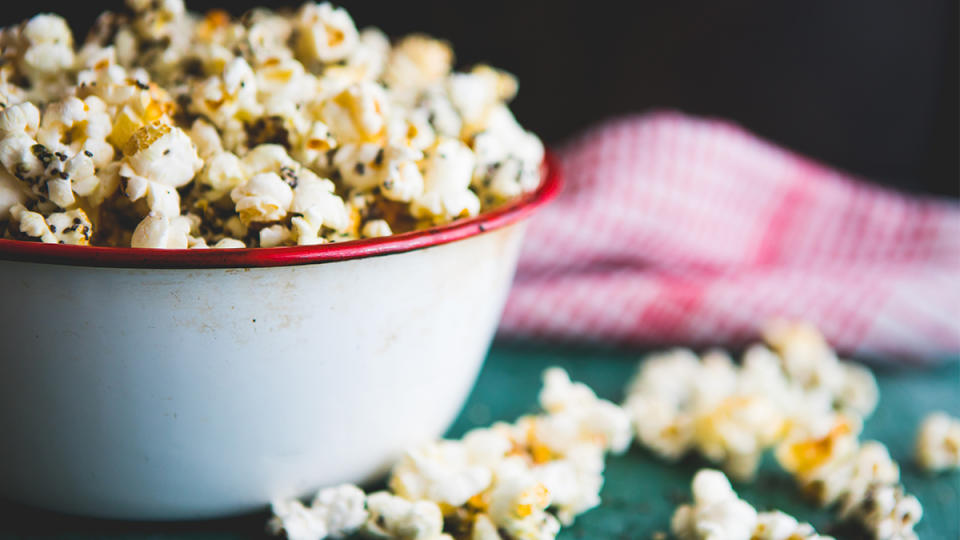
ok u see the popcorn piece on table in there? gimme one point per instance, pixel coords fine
(334, 513)
(717, 513)
(938, 442)
(834, 467)
(396, 517)
(810, 362)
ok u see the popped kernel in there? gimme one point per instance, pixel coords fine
(938, 442)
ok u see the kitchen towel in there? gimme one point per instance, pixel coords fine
(679, 230)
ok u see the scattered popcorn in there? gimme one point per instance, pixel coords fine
(938, 442)
(832, 466)
(518, 481)
(797, 398)
(733, 414)
(164, 112)
(717, 513)
(887, 513)
(334, 513)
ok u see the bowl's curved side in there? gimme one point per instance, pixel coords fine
(176, 394)
(16, 250)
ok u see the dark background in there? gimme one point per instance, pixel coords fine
(867, 86)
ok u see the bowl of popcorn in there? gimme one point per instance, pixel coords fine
(243, 258)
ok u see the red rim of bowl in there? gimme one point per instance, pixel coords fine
(114, 257)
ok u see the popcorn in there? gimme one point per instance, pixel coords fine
(227, 98)
(737, 431)
(274, 235)
(324, 33)
(887, 513)
(45, 49)
(160, 103)
(158, 158)
(776, 525)
(72, 126)
(396, 517)
(441, 472)
(810, 454)
(47, 173)
(717, 513)
(938, 442)
(732, 415)
(358, 113)
(445, 184)
(573, 482)
(416, 63)
(264, 197)
(518, 504)
(808, 360)
(229, 243)
(596, 420)
(365, 63)
(508, 157)
(69, 227)
(314, 144)
(836, 468)
(296, 521)
(221, 173)
(314, 199)
(476, 93)
(517, 481)
(335, 513)
(660, 426)
(162, 231)
(13, 194)
(376, 228)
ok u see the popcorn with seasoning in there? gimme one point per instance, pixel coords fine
(158, 159)
(69, 227)
(172, 110)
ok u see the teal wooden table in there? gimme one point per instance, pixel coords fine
(640, 492)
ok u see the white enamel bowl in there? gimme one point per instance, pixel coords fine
(152, 384)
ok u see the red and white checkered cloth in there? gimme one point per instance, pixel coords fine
(678, 230)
